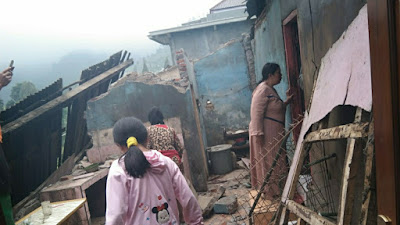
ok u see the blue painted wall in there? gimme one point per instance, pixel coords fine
(193, 83)
(223, 78)
(136, 99)
(269, 47)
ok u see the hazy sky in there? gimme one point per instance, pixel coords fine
(37, 33)
(47, 29)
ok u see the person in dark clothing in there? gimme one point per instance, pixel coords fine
(5, 177)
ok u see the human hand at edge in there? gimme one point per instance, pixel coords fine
(289, 97)
(6, 77)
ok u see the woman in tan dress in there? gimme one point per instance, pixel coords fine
(267, 115)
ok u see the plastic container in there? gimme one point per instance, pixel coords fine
(221, 159)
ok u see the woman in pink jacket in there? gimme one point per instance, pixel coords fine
(143, 185)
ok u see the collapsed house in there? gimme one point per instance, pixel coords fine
(326, 59)
(298, 35)
(39, 147)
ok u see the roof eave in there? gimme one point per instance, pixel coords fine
(161, 38)
(195, 26)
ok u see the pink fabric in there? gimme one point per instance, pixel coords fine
(266, 103)
(152, 198)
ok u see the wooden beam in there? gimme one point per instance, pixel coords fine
(291, 182)
(64, 98)
(293, 177)
(300, 221)
(346, 173)
(307, 214)
(369, 155)
(290, 17)
(353, 130)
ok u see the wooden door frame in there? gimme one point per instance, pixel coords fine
(385, 88)
(292, 64)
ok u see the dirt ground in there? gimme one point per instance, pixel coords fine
(236, 183)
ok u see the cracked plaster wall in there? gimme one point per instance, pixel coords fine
(136, 99)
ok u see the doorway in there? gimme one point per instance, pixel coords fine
(293, 65)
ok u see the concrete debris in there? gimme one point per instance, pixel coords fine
(215, 197)
(241, 165)
(226, 205)
(204, 201)
(170, 77)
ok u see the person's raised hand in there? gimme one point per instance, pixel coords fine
(6, 77)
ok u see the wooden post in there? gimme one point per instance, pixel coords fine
(346, 173)
(368, 171)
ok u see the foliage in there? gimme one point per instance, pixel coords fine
(154, 62)
(145, 69)
(22, 90)
(10, 103)
(166, 63)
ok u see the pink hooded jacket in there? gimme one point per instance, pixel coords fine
(152, 198)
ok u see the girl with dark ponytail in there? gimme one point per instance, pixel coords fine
(129, 132)
(143, 185)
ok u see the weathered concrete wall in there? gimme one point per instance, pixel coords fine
(136, 99)
(200, 42)
(269, 47)
(169, 74)
(193, 84)
(223, 80)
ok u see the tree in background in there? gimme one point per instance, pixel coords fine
(145, 69)
(20, 91)
(166, 63)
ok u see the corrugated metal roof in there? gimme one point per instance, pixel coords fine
(31, 102)
(228, 4)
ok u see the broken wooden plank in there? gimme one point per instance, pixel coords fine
(353, 130)
(293, 177)
(61, 211)
(346, 173)
(65, 98)
(307, 214)
(292, 183)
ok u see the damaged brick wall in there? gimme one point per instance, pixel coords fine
(246, 42)
(130, 98)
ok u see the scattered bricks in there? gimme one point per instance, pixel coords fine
(216, 195)
(204, 201)
(226, 205)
